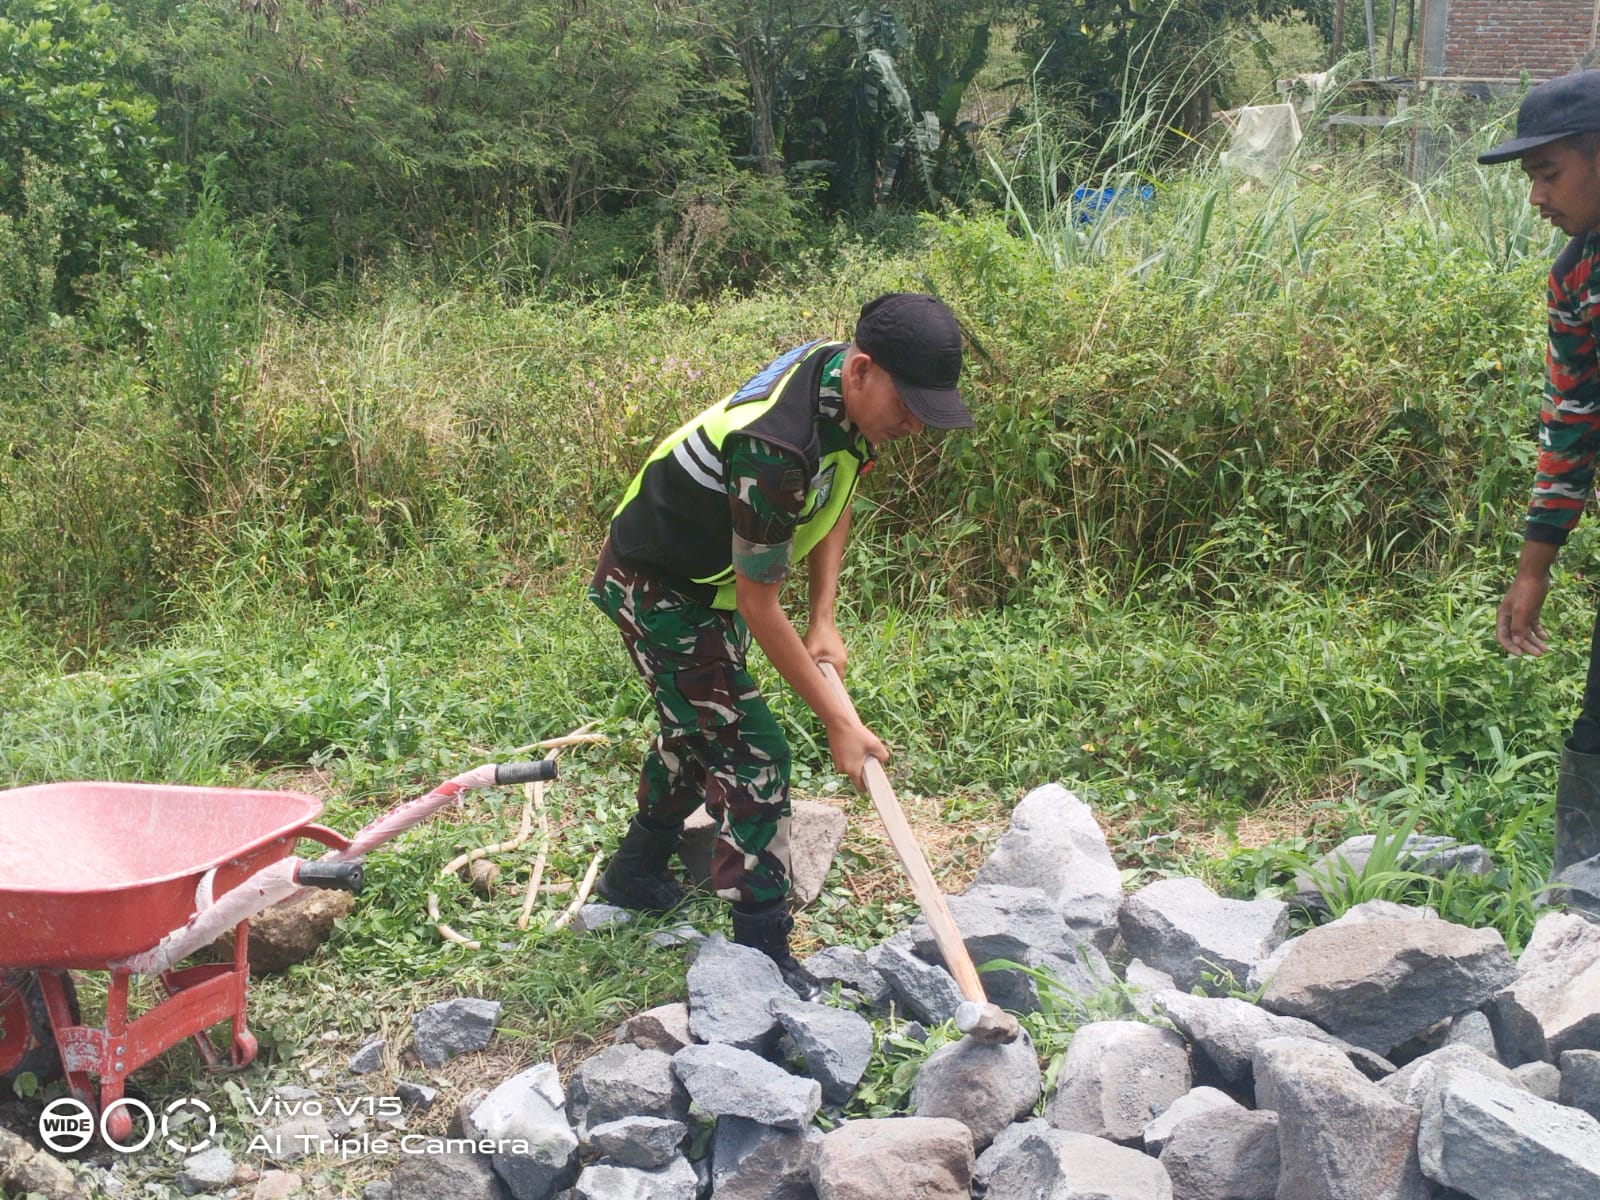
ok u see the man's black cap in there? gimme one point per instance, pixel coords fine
(917, 340)
(1553, 110)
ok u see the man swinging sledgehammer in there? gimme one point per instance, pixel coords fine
(694, 565)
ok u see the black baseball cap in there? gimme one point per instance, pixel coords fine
(1553, 110)
(917, 340)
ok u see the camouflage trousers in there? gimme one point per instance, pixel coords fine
(719, 743)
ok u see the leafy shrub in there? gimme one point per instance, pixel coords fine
(30, 248)
(68, 100)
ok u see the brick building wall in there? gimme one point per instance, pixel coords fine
(1499, 39)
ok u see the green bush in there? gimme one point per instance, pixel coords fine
(69, 100)
(30, 249)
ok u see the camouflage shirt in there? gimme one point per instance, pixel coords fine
(1569, 420)
(767, 486)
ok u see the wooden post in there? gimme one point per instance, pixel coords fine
(1372, 42)
(1417, 166)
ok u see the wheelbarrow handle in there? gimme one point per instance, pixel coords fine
(538, 771)
(341, 876)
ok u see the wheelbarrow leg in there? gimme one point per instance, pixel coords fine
(114, 1074)
(234, 981)
(244, 1042)
(75, 1065)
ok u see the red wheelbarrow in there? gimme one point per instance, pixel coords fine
(132, 878)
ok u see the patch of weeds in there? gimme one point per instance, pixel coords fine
(885, 1087)
(1344, 884)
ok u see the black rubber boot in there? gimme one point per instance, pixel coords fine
(767, 927)
(637, 876)
(1577, 808)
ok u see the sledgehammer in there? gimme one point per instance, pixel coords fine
(975, 1016)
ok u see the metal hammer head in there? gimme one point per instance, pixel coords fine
(987, 1023)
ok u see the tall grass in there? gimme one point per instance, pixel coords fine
(1328, 375)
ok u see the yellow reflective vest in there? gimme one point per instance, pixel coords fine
(674, 521)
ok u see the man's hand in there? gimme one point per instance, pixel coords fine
(824, 645)
(1517, 627)
(851, 743)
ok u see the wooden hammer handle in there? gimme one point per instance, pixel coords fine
(923, 886)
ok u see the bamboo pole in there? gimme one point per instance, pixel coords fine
(578, 901)
(533, 801)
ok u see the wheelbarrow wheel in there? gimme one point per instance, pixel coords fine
(27, 1042)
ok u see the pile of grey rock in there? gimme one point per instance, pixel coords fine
(1391, 1054)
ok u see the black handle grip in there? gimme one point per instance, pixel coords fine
(541, 769)
(346, 877)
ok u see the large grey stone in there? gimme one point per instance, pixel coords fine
(1577, 886)
(1541, 1078)
(731, 990)
(1553, 1003)
(924, 1157)
(210, 1170)
(1413, 1083)
(1473, 1029)
(448, 1176)
(751, 1161)
(924, 991)
(1032, 1161)
(625, 1081)
(1182, 927)
(1225, 1033)
(649, 1143)
(453, 1027)
(610, 1181)
(1190, 1104)
(595, 916)
(25, 1171)
(1368, 910)
(367, 1059)
(1141, 974)
(816, 831)
(1021, 925)
(1144, 983)
(1339, 1136)
(808, 840)
(1422, 853)
(1580, 1080)
(1054, 844)
(985, 1087)
(724, 1081)
(1224, 1154)
(848, 967)
(1495, 1142)
(834, 1045)
(1381, 983)
(526, 1118)
(1118, 1076)
(664, 1028)
(415, 1095)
